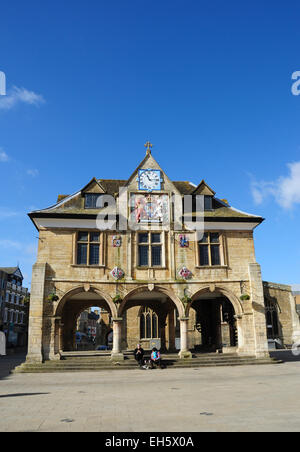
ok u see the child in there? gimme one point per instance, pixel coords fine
(155, 358)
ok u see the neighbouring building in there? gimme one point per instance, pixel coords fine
(296, 294)
(170, 263)
(93, 328)
(14, 306)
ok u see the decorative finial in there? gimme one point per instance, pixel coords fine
(148, 146)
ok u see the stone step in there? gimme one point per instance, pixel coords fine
(61, 366)
(210, 356)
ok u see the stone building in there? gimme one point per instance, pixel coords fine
(14, 306)
(93, 327)
(170, 263)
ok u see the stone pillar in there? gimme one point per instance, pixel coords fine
(60, 336)
(184, 350)
(295, 320)
(53, 355)
(37, 296)
(117, 355)
(225, 334)
(259, 342)
(171, 330)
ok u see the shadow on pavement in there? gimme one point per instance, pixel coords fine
(9, 362)
(20, 394)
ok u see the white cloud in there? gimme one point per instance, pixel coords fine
(10, 244)
(7, 213)
(33, 172)
(285, 190)
(27, 249)
(3, 156)
(20, 95)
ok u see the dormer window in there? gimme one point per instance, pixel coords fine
(91, 201)
(208, 203)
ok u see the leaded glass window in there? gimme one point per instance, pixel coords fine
(148, 324)
(150, 249)
(88, 248)
(209, 249)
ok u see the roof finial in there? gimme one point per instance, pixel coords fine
(149, 146)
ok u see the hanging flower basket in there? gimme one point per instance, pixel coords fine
(52, 297)
(245, 297)
(117, 299)
(185, 300)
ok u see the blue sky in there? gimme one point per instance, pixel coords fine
(209, 83)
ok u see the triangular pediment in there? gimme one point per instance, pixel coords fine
(18, 273)
(94, 186)
(149, 162)
(203, 189)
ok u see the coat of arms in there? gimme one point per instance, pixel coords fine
(183, 241)
(185, 273)
(116, 241)
(117, 273)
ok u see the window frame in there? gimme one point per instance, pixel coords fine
(209, 243)
(95, 195)
(90, 242)
(147, 312)
(149, 244)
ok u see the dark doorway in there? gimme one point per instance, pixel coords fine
(215, 323)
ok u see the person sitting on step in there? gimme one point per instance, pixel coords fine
(155, 358)
(139, 355)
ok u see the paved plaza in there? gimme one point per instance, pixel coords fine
(250, 398)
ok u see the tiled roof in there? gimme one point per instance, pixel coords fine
(9, 270)
(74, 204)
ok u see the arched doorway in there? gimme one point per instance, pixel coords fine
(72, 305)
(214, 323)
(151, 319)
(272, 309)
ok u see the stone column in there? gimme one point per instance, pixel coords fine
(259, 342)
(171, 330)
(60, 336)
(117, 355)
(37, 296)
(53, 355)
(295, 320)
(184, 350)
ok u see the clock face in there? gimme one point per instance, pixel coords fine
(149, 180)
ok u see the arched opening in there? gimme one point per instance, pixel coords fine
(272, 309)
(80, 332)
(151, 319)
(214, 324)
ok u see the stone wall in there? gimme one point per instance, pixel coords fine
(57, 248)
(281, 295)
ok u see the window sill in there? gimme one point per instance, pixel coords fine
(211, 267)
(151, 268)
(87, 266)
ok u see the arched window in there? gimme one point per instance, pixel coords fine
(272, 319)
(148, 324)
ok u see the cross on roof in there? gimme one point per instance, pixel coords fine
(149, 146)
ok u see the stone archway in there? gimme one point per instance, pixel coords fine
(69, 308)
(238, 308)
(166, 304)
(145, 289)
(216, 313)
(85, 289)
